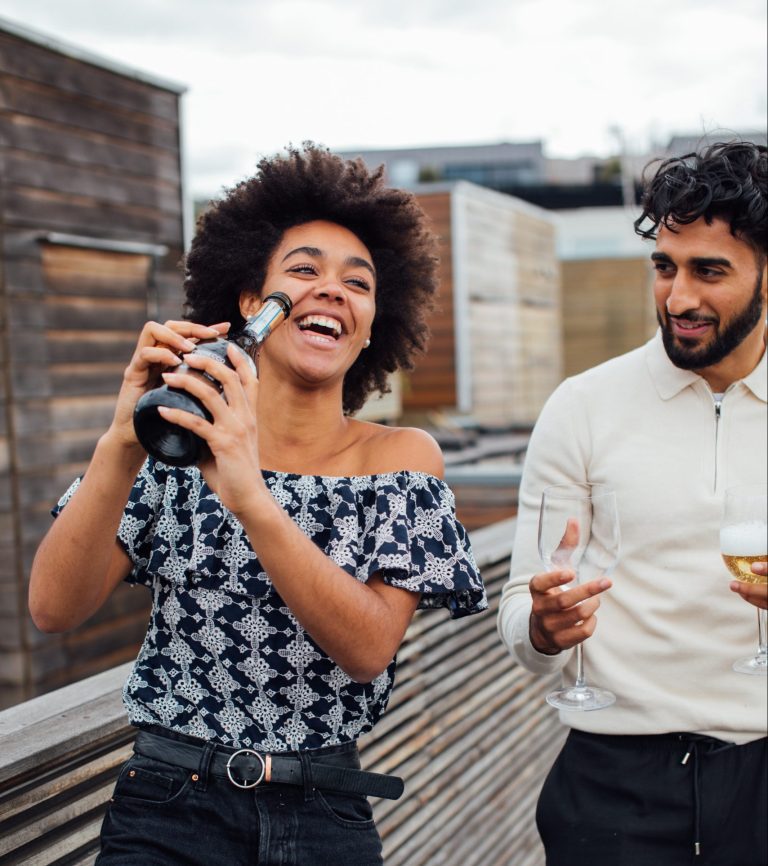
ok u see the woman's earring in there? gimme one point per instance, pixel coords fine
(366, 344)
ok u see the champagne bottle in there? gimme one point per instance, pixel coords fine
(173, 444)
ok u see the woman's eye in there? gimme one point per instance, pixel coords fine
(302, 269)
(360, 283)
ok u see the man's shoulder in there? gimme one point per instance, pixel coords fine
(615, 372)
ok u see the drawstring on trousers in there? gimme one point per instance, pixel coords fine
(693, 754)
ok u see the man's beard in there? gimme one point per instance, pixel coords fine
(725, 341)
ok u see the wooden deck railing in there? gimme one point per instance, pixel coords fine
(467, 728)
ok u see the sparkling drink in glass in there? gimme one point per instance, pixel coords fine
(578, 528)
(744, 541)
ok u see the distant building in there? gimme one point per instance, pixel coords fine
(493, 165)
(522, 170)
(690, 142)
(519, 169)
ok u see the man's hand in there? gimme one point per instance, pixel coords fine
(560, 619)
(754, 593)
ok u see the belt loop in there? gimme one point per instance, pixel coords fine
(209, 750)
(306, 775)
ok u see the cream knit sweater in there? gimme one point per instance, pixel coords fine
(669, 628)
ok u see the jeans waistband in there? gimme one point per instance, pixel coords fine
(333, 768)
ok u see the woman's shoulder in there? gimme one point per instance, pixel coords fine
(396, 449)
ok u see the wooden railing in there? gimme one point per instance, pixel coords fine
(467, 728)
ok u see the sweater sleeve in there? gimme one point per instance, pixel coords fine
(557, 453)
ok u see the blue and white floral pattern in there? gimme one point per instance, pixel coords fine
(224, 659)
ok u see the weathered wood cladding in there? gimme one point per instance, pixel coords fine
(607, 310)
(467, 729)
(432, 384)
(505, 301)
(513, 297)
(87, 153)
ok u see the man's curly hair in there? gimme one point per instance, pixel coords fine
(236, 237)
(727, 181)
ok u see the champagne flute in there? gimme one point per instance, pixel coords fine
(744, 540)
(579, 529)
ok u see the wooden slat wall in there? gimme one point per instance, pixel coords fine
(467, 728)
(432, 385)
(514, 306)
(84, 151)
(83, 328)
(607, 310)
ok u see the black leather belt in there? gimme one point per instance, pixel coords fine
(247, 768)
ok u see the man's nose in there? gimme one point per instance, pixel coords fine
(683, 295)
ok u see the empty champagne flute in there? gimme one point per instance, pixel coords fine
(579, 529)
(743, 541)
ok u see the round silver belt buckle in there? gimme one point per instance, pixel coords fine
(246, 784)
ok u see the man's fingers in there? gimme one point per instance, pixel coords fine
(548, 580)
(543, 584)
(754, 593)
(562, 615)
(579, 633)
(570, 539)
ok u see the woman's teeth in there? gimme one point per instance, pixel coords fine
(322, 325)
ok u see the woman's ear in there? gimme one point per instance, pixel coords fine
(249, 303)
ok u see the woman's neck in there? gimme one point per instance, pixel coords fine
(302, 431)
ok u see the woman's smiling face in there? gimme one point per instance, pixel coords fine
(329, 275)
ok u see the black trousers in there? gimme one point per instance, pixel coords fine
(667, 800)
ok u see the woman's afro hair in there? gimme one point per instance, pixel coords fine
(238, 234)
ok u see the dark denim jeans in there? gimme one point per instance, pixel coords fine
(163, 815)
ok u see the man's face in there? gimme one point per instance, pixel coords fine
(710, 294)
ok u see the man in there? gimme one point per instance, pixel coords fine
(675, 771)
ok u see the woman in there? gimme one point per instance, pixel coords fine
(286, 566)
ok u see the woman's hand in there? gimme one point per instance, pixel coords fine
(232, 468)
(159, 346)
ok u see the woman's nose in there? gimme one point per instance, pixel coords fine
(332, 290)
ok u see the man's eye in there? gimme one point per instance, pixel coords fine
(662, 267)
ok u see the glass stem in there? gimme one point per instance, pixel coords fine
(762, 649)
(580, 682)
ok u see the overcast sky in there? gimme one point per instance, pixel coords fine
(399, 73)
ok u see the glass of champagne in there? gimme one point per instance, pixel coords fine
(579, 529)
(744, 540)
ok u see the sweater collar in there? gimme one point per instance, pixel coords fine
(670, 380)
(757, 380)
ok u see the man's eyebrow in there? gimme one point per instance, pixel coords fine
(315, 253)
(710, 261)
(698, 261)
